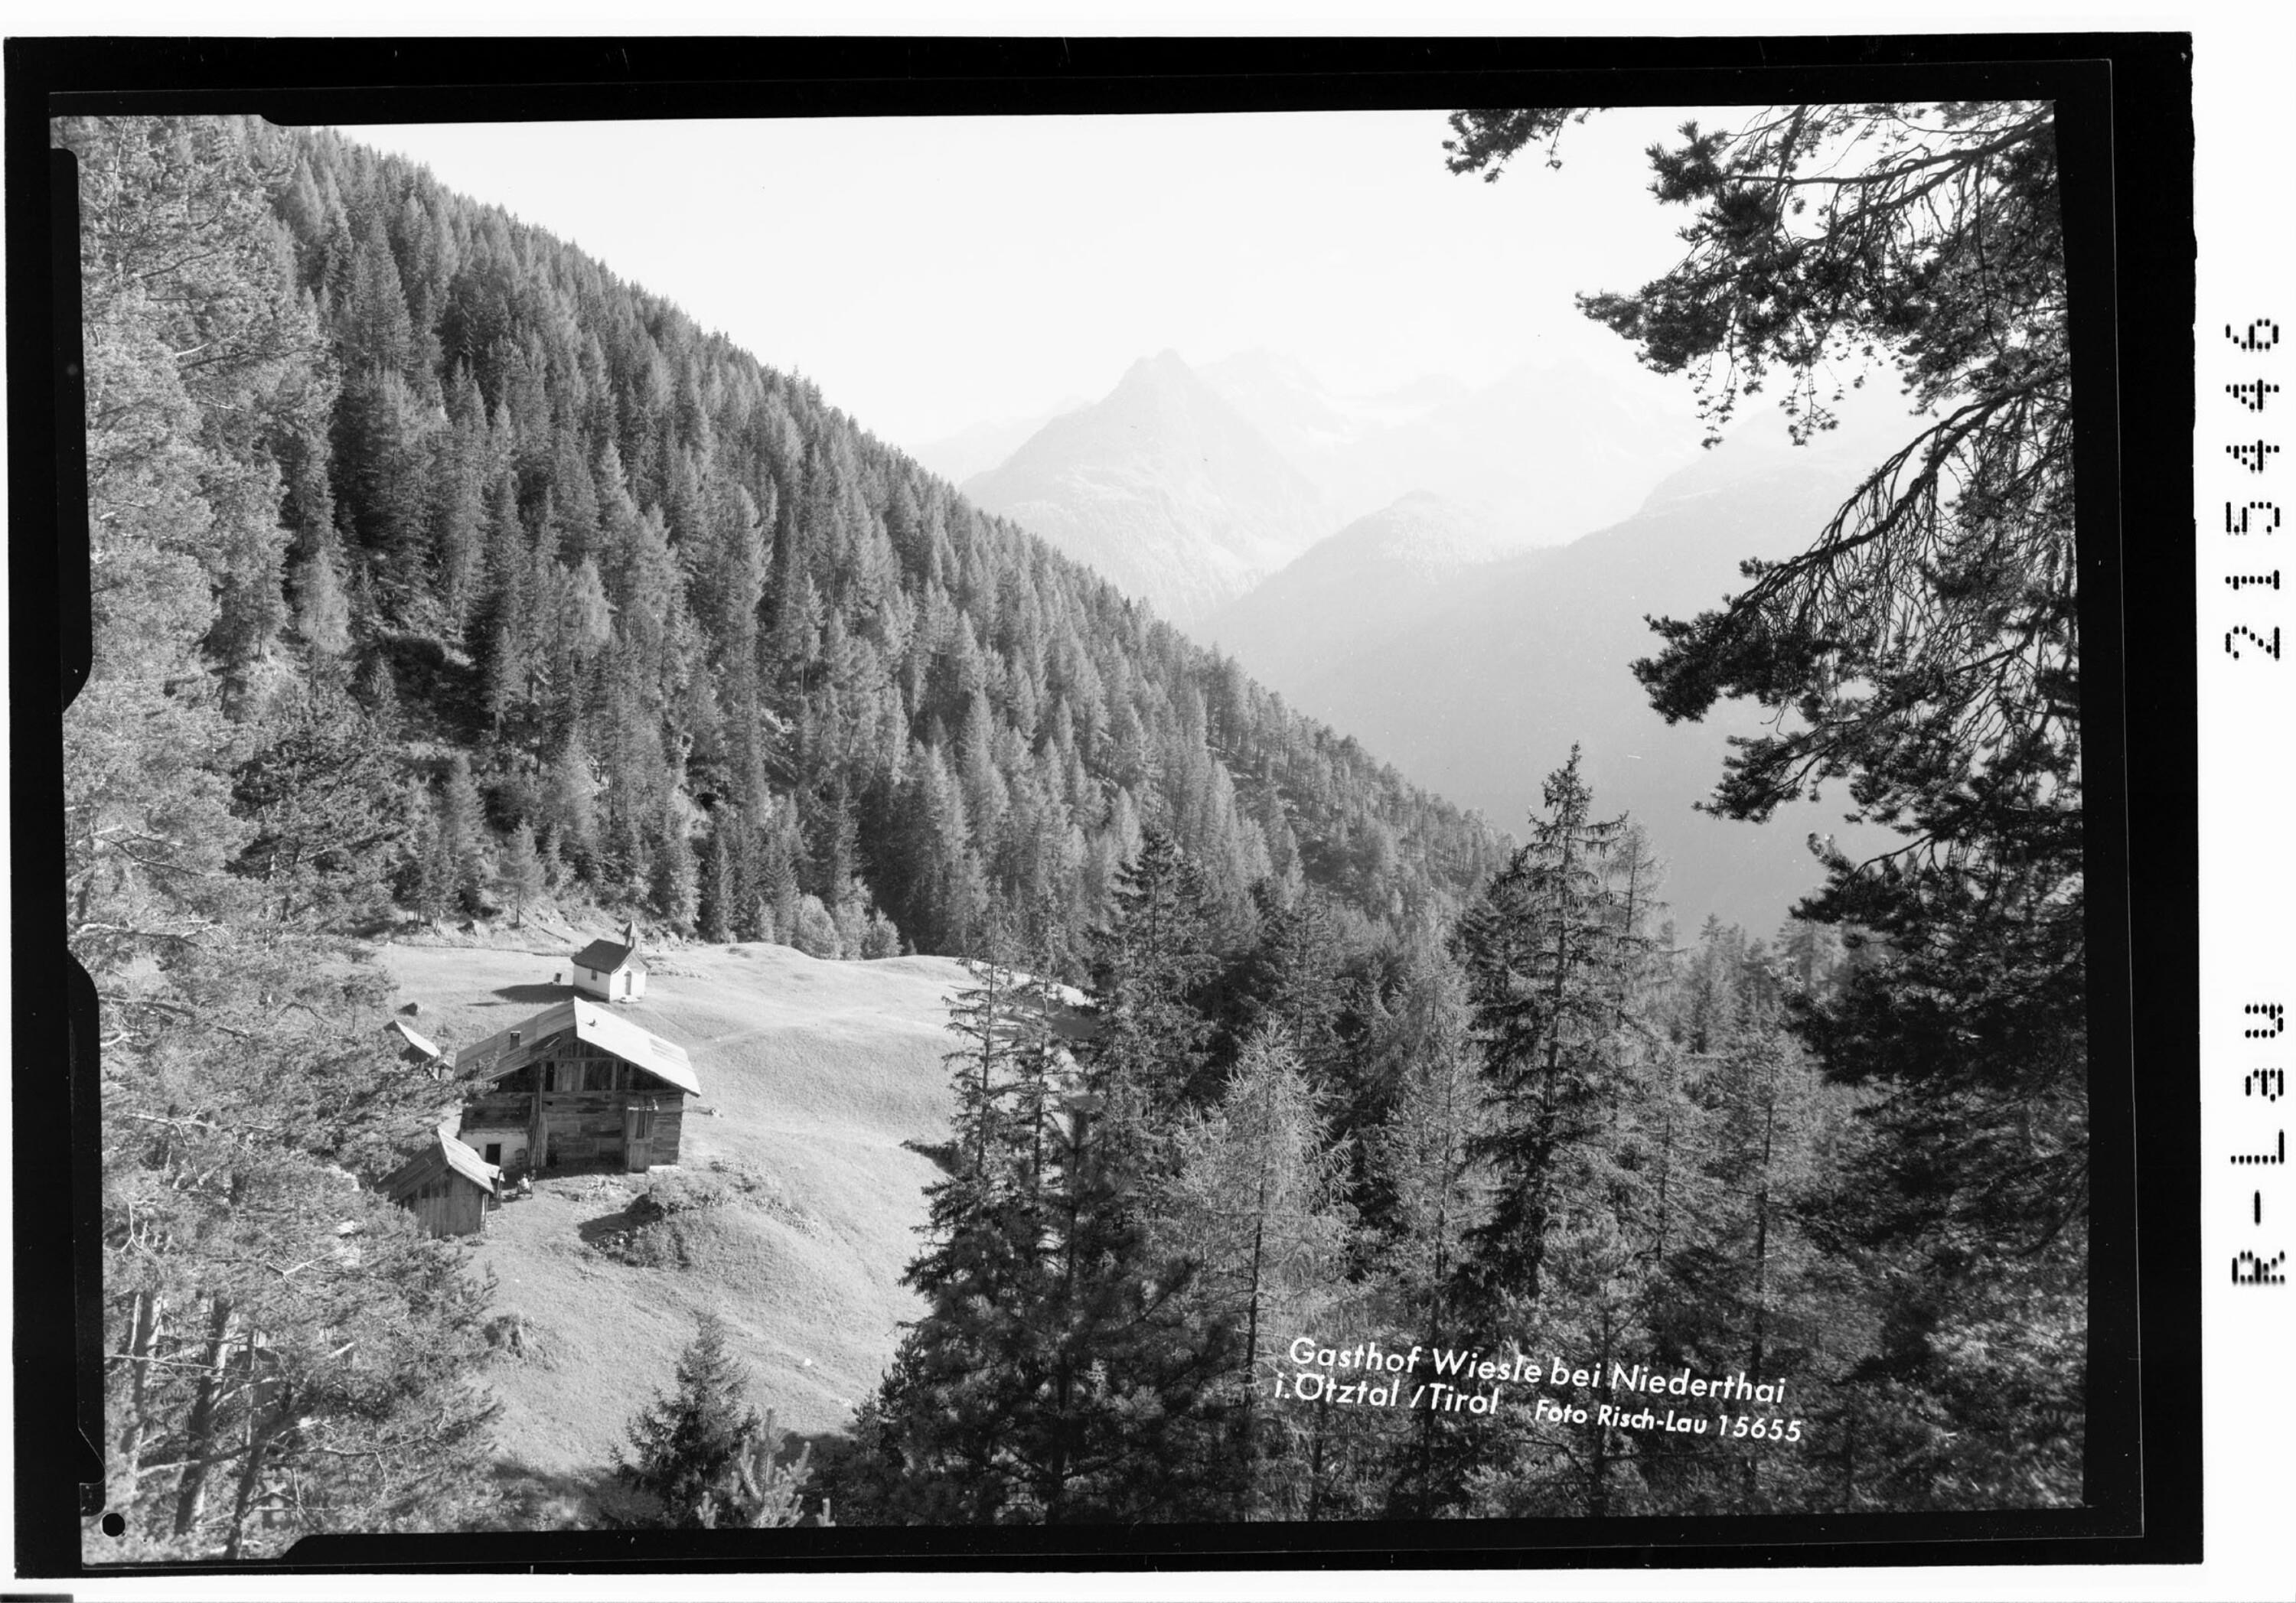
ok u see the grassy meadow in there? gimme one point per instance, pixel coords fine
(813, 1074)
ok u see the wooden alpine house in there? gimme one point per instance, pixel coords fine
(576, 1087)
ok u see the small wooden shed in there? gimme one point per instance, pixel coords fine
(449, 1186)
(612, 970)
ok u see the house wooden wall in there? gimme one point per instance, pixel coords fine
(669, 1129)
(585, 1091)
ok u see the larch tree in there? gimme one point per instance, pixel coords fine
(1258, 1205)
(521, 878)
(1423, 1155)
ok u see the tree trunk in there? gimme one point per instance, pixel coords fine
(1761, 1273)
(1598, 1493)
(1251, 1336)
(1665, 1159)
(199, 1429)
(262, 1425)
(1056, 1470)
(1315, 1457)
(143, 1335)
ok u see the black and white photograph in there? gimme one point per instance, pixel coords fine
(1342, 820)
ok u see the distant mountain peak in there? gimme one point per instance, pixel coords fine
(1164, 365)
(1162, 486)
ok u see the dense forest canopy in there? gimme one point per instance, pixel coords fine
(733, 660)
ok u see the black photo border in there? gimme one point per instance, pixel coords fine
(2126, 144)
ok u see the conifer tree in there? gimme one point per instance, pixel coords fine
(963, 1389)
(1295, 984)
(1422, 1155)
(321, 613)
(463, 829)
(458, 500)
(1257, 1203)
(714, 913)
(1062, 1372)
(1543, 954)
(326, 816)
(674, 887)
(1548, 960)
(689, 1448)
(427, 880)
(1150, 963)
(521, 876)
(1746, 1267)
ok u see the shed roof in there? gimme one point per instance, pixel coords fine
(444, 1153)
(497, 1055)
(467, 1163)
(415, 1038)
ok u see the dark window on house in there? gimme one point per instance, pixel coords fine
(494, 1152)
(640, 1124)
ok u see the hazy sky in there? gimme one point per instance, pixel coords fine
(933, 272)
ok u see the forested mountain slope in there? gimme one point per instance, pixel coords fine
(725, 656)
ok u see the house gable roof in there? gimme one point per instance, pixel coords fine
(604, 956)
(497, 1056)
